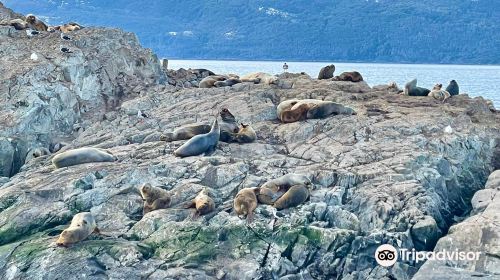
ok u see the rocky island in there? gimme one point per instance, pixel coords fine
(408, 171)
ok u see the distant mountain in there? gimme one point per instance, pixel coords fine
(416, 31)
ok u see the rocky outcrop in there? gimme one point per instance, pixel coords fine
(478, 233)
(47, 96)
(395, 173)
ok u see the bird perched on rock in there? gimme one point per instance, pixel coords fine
(31, 32)
(66, 50)
(65, 37)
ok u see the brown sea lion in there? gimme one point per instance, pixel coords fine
(246, 134)
(272, 190)
(209, 82)
(203, 203)
(82, 225)
(263, 78)
(154, 198)
(35, 23)
(353, 76)
(17, 23)
(326, 72)
(295, 196)
(69, 28)
(202, 143)
(438, 93)
(245, 202)
(293, 115)
(189, 131)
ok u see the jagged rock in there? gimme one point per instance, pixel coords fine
(478, 233)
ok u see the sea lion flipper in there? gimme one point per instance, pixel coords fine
(97, 230)
(189, 204)
(250, 218)
(210, 151)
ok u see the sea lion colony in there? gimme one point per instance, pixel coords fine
(288, 191)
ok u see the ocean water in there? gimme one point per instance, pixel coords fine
(475, 80)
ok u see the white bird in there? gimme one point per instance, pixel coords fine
(65, 37)
(448, 129)
(34, 56)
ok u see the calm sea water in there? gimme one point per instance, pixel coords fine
(476, 80)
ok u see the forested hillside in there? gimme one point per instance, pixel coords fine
(424, 31)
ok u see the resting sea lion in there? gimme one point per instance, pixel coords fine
(17, 23)
(36, 152)
(438, 93)
(453, 88)
(189, 131)
(296, 114)
(295, 196)
(203, 203)
(274, 189)
(227, 83)
(327, 108)
(69, 28)
(349, 77)
(154, 198)
(246, 134)
(326, 72)
(35, 23)
(82, 225)
(245, 202)
(81, 156)
(263, 78)
(210, 81)
(199, 144)
(411, 89)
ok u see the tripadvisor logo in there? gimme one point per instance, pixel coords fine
(387, 255)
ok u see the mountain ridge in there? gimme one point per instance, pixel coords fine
(448, 32)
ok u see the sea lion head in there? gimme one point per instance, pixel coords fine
(437, 86)
(145, 190)
(226, 115)
(67, 236)
(30, 18)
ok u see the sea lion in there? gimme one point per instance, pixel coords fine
(285, 105)
(154, 198)
(228, 126)
(17, 23)
(36, 152)
(69, 28)
(327, 108)
(353, 76)
(453, 88)
(246, 134)
(209, 82)
(35, 23)
(438, 93)
(199, 144)
(54, 28)
(294, 115)
(189, 131)
(82, 225)
(326, 72)
(296, 195)
(227, 83)
(245, 202)
(203, 203)
(263, 78)
(272, 190)
(81, 156)
(411, 89)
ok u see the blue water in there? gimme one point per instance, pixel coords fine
(475, 80)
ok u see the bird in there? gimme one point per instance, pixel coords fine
(34, 56)
(141, 114)
(66, 50)
(65, 37)
(31, 32)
